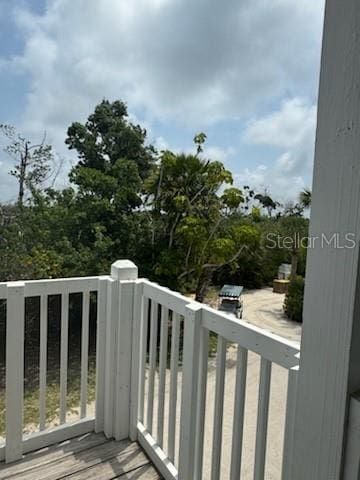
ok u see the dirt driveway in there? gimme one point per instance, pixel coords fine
(265, 309)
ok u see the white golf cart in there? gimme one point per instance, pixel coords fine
(230, 300)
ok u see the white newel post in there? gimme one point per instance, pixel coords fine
(330, 351)
(119, 318)
(15, 326)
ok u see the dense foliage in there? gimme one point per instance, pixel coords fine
(293, 305)
(178, 216)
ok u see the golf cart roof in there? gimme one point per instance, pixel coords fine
(231, 291)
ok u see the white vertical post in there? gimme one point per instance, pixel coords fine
(100, 354)
(330, 353)
(152, 365)
(142, 360)
(162, 373)
(84, 352)
(64, 354)
(201, 402)
(191, 357)
(262, 419)
(173, 391)
(239, 412)
(14, 370)
(288, 449)
(118, 349)
(43, 360)
(123, 371)
(112, 314)
(138, 312)
(219, 408)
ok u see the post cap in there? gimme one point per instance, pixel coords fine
(124, 270)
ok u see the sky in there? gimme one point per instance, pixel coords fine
(245, 72)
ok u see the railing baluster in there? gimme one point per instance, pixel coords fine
(43, 359)
(174, 367)
(189, 394)
(84, 352)
(288, 449)
(112, 318)
(239, 410)
(219, 408)
(152, 365)
(64, 354)
(15, 326)
(136, 372)
(100, 354)
(262, 419)
(143, 354)
(162, 373)
(201, 402)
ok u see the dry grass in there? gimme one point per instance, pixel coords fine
(31, 398)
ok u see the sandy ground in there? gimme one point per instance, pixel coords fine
(264, 309)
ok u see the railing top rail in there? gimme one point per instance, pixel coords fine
(268, 345)
(54, 286)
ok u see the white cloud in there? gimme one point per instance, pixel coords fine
(192, 62)
(291, 130)
(216, 153)
(178, 61)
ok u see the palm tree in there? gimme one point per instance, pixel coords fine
(305, 198)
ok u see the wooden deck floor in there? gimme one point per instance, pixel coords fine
(88, 457)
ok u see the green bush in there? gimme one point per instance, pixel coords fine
(294, 299)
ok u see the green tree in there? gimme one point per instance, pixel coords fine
(305, 198)
(114, 159)
(293, 230)
(267, 202)
(184, 193)
(106, 138)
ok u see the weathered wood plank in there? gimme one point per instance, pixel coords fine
(50, 454)
(74, 463)
(87, 457)
(118, 466)
(147, 472)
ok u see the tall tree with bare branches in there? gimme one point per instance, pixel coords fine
(32, 161)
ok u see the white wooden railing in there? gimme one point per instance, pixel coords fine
(152, 356)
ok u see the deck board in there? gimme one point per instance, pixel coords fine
(88, 457)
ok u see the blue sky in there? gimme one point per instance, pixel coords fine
(243, 71)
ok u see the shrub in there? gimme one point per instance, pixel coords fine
(294, 299)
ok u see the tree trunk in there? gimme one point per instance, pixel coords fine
(203, 284)
(22, 175)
